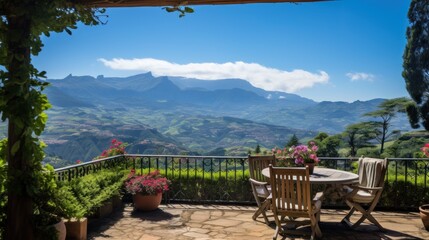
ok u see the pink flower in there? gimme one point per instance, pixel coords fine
(78, 161)
(305, 154)
(116, 148)
(148, 184)
(425, 149)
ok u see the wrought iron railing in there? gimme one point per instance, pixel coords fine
(224, 179)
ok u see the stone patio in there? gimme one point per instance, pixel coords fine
(178, 221)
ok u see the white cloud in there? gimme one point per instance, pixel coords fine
(259, 76)
(360, 76)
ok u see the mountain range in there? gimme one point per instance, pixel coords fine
(180, 115)
(227, 97)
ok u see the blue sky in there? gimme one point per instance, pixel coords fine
(343, 50)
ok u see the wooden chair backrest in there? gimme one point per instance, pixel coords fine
(257, 163)
(291, 191)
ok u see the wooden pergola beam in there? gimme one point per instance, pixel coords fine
(160, 3)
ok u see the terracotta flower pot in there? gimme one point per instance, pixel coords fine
(61, 228)
(77, 228)
(424, 215)
(103, 211)
(310, 167)
(147, 202)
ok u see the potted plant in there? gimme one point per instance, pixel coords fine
(301, 155)
(47, 206)
(146, 189)
(73, 213)
(306, 155)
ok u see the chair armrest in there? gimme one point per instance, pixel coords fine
(260, 189)
(318, 196)
(253, 181)
(356, 188)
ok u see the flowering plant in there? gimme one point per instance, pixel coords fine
(116, 148)
(148, 184)
(301, 154)
(284, 157)
(284, 153)
(425, 149)
(305, 154)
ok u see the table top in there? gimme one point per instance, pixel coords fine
(326, 176)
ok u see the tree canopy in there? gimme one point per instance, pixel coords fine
(386, 111)
(416, 63)
(293, 141)
(358, 136)
(328, 145)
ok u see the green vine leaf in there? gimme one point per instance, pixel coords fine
(189, 10)
(180, 8)
(15, 147)
(68, 31)
(22, 104)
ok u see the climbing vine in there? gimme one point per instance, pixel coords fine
(22, 102)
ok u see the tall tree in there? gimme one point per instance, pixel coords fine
(293, 141)
(258, 149)
(321, 136)
(416, 63)
(386, 111)
(328, 145)
(357, 136)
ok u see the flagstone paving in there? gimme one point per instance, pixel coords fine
(188, 222)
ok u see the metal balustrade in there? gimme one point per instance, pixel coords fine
(224, 179)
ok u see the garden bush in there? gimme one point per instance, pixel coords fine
(197, 185)
(92, 190)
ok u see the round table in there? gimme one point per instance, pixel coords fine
(326, 176)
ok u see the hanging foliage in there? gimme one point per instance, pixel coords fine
(22, 103)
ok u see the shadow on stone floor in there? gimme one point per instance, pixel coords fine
(156, 215)
(96, 226)
(338, 231)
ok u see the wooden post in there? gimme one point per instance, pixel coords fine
(20, 204)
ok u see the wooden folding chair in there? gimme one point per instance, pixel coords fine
(291, 200)
(260, 187)
(365, 196)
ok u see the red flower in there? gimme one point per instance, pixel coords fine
(116, 148)
(148, 184)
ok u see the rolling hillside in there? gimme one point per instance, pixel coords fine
(166, 115)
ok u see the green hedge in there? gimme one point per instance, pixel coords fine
(91, 191)
(195, 185)
(198, 186)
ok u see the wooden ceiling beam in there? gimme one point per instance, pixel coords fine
(161, 3)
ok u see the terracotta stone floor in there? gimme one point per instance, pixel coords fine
(179, 221)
